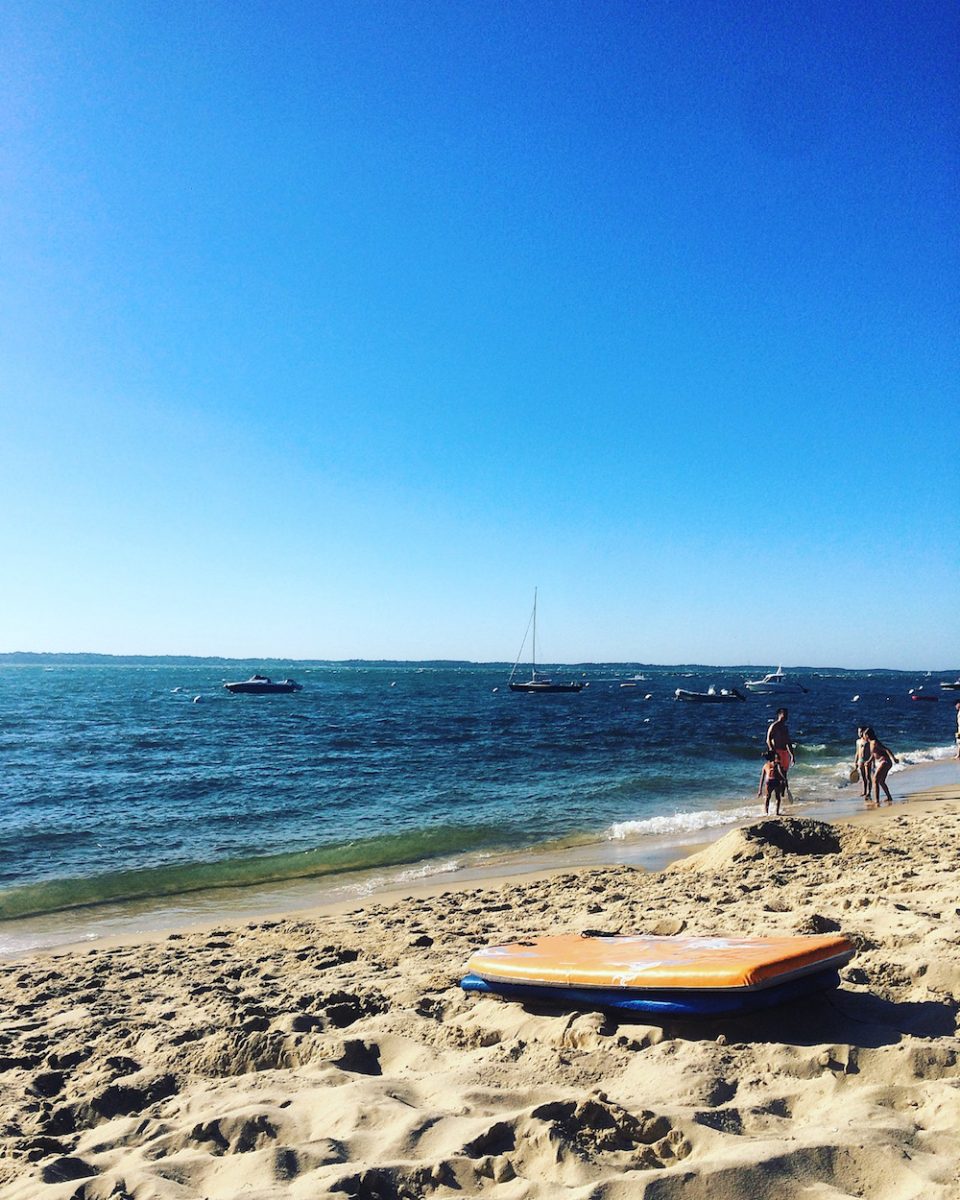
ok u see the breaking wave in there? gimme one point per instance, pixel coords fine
(682, 822)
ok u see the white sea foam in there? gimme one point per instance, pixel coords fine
(911, 758)
(688, 822)
(907, 759)
(424, 870)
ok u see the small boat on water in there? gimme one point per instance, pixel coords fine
(538, 682)
(710, 696)
(543, 683)
(261, 685)
(774, 684)
(951, 687)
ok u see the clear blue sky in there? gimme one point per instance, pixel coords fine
(332, 329)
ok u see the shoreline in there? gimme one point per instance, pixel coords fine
(365, 800)
(130, 922)
(333, 1052)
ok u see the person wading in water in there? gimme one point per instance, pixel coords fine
(778, 740)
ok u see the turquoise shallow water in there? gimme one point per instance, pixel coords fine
(120, 787)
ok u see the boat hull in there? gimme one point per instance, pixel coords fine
(765, 690)
(265, 688)
(775, 689)
(709, 698)
(546, 687)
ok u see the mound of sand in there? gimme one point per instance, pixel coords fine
(337, 1056)
(766, 839)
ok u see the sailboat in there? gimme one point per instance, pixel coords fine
(537, 681)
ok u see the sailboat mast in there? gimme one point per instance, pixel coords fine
(534, 633)
(536, 683)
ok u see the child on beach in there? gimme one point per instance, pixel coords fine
(881, 760)
(773, 779)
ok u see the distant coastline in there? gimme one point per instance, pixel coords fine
(92, 658)
(88, 658)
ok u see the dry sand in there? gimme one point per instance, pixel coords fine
(336, 1056)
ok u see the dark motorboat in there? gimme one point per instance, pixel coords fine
(710, 696)
(260, 685)
(538, 683)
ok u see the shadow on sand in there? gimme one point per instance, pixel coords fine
(844, 1017)
(851, 1018)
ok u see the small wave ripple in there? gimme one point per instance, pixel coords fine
(58, 895)
(681, 822)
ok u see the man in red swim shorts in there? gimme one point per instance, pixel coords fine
(778, 740)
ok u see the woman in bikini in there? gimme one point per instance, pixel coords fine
(882, 759)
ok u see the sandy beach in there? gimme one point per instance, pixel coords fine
(335, 1055)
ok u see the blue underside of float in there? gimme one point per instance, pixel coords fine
(688, 1002)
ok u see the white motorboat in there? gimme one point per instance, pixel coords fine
(710, 696)
(774, 684)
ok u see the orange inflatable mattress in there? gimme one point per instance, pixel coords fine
(668, 974)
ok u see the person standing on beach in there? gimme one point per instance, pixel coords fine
(882, 759)
(958, 728)
(778, 740)
(862, 762)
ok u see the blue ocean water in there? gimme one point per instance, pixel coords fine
(119, 785)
